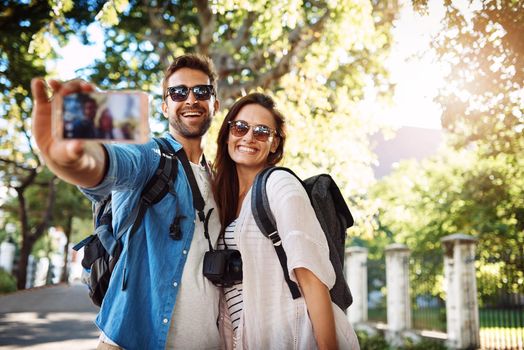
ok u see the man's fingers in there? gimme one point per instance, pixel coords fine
(55, 85)
(76, 85)
(39, 90)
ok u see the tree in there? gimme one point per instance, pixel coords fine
(314, 57)
(483, 104)
(458, 192)
(70, 206)
(22, 57)
(252, 43)
(483, 100)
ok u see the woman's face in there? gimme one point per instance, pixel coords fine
(248, 151)
(106, 122)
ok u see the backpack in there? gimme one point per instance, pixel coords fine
(332, 213)
(102, 249)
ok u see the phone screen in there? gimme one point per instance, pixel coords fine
(112, 116)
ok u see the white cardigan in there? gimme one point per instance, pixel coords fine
(271, 319)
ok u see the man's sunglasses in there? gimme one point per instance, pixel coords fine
(180, 93)
(239, 128)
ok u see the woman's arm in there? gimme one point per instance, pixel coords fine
(319, 307)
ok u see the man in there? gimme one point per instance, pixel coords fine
(84, 128)
(141, 312)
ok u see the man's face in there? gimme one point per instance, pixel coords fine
(90, 109)
(190, 118)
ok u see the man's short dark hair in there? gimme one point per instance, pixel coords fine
(85, 98)
(192, 61)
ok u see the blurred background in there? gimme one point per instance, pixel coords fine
(414, 107)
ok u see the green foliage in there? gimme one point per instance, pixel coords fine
(69, 203)
(314, 57)
(481, 41)
(424, 344)
(371, 341)
(26, 29)
(7, 282)
(477, 190)
(377, 341)
(457, 191)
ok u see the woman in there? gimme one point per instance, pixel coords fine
(104, 122)
(259, 312)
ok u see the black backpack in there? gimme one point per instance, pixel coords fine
(102, 249)
(332, 213)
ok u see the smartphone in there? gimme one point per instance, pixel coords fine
(109, 116)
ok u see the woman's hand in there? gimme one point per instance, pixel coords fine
(319, 307)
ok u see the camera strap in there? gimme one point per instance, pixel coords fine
(198, 200)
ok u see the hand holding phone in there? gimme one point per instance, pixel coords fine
(110, 116)
(75, 160)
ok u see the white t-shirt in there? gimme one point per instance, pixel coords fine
(194, 321)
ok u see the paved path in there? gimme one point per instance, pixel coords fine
(58, 317)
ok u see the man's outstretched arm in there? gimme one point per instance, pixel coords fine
(75, 161)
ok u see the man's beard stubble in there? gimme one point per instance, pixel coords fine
(176, 123)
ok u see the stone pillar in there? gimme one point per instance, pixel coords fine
(31, 272)
(7, 256)
(357, 278)
(460, 285)
(397, 282)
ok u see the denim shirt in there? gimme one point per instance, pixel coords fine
(139, 316)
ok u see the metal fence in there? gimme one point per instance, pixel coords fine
(377, 311)
(501, 300)
(500, 291)
(428, 307)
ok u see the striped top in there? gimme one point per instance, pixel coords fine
(233, 295)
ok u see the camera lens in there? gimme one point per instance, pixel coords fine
(235, 267)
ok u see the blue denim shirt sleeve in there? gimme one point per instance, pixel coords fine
(138, 316)
(127, 164)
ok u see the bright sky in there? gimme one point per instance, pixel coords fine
(417, 78)
(76, 55)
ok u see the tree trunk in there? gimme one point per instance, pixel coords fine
(67, 232)
(25, 250)
(30, 236)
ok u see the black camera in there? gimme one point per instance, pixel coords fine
(223, 267)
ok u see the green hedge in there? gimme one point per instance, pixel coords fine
(378, 342)
(7, 282)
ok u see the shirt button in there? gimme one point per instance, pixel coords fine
(184, 252)
(165, 320)
(175, 284)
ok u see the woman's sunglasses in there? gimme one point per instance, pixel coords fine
(239, 128)
(180, 93)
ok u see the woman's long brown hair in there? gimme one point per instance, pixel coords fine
(225, 184)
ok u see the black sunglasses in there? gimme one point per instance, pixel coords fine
(180, 93)
(239, 128)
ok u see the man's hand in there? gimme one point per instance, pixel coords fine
(75, 161)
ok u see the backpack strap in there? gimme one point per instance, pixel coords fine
(198, 200)
(266, 221)
(155, 189)
(102, 220)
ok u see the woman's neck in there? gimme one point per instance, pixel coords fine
(246, 177)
